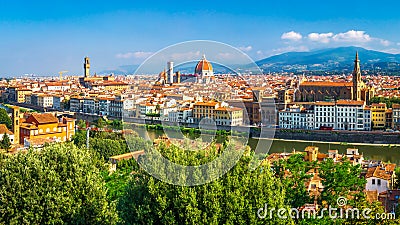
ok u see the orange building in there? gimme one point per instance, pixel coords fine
(45, 127)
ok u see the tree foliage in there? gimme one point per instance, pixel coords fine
(5, 119)
(5, 142)
(389, 101)
(60, 184)
(101, 123)
(293, 174)
(232, 199)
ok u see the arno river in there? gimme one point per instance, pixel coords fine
(375, 152)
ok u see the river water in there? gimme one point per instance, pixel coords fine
(385, 153)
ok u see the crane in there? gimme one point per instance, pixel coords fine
(61, 73)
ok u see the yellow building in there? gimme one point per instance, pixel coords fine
(203, 110)
(378, 115)
(21, 93)
(45, 127)
(228, 116)
(311, 153)
(114, 85)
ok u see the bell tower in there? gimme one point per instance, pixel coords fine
(356, 79)
(15, 119)
(86, 67)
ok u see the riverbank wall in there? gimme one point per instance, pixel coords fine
(369, 137)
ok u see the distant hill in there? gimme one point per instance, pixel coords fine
(121, 70)
(332, 59)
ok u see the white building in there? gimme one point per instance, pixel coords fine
(91, 105)
(343, 115)
(146, 108)
(380, 178)
(396, 116)
(45, 101)
(76, 104)
(325, 115)
(104, 106)
(296, 117)
(352, 115)
(57, 102)
(180, 115)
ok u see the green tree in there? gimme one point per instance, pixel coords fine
(117, 124)
(235, 198)
(5, 142)
(293, 173)
(81, 124)
(5, 119)
(116, 182)
(341, 180)
(101, 123)
(61, 184)
(105, 148)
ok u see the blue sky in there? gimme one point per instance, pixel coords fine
(44, 37)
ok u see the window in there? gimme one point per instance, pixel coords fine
(373, 181)
(379, 182)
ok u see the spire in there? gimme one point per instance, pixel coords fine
(357, 71)
(356, 78)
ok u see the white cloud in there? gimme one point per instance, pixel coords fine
(320, 37)
(245, 48)
(398, 43)
(352, 36)
(292, 36)
(384, 42)
(137, 55)
(301, 48)
(391, 50)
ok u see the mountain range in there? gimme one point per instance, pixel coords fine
(339, 59)
(331, 59)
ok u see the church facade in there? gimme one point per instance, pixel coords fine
(311, 91)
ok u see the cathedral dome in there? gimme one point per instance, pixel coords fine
(203, 65)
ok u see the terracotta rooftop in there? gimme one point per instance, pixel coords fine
(383, 172)
(396, 106)
(43, 118)
(325, 103)
(229, 109)
(4, 129)
(327, 84)
(349, 102)
(206, 103)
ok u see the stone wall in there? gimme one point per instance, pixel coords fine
(374, 137)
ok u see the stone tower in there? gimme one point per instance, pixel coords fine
(15, 119)
(356, 79)
(86, 67)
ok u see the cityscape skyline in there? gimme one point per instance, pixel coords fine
(48, 38)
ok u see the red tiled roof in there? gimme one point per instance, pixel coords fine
(4, 129)
(327, 83)
(42, 118)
